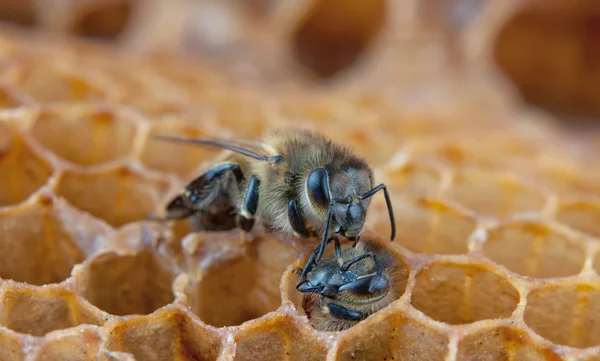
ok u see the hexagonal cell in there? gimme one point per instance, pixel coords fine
(21, 12)
(503, 343)
(415, 177)
(11, 346)
(427, 225)
(458, 293)
(178, 158)
(452, 151)
(566, 177)
(117, 195)
(52, 240)
(126, 284)
(393, 337)
(48, 83)
(333, 35)
(81, 344)
(24, 171)
(396, 269)
(103, 21)
(37, 311)
(525, 53)
(496, 194)
(100, 134)
(278, 338)
(581, 215)
(167, 334)
(567, 313)
(535, 249)
(241, 282)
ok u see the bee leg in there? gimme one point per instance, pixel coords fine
(343, 313)
(349, 264)
(311, 259)
(325, 241)
(388, 203)
(296, 220)
(179, 208)
(338, 249)
(246, 218)
(365, 285)
(182, 206)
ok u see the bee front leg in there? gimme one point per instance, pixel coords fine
(246, 219)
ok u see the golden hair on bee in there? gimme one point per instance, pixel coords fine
(349, 286)
(297, 181)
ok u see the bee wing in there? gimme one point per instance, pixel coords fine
(252, 148)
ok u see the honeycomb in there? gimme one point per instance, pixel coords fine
(496, 206)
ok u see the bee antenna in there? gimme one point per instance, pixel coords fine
(387, 201)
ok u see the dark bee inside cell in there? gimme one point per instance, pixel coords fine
(349, 284)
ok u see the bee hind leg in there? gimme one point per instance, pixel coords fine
(246, 219)
(343, 313)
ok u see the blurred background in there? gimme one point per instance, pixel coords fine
(545, 52)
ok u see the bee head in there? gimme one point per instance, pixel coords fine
(341, 187)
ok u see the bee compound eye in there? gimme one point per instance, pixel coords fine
(317, 187)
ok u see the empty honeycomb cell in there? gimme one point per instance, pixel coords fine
(525, 53)
(566, 313)
(11, 346)
(104, 21)
(426, 225)
(20, 12)
(50, 243)
(277, 338)
(118, 195)
(37, 311)
(463, 293)
(535, 249)
(414, 177)
(241, 285)
(457, 153)
(178, 158)
(503, 343)
(24, 170)
(127, 284)
(394, 337)
(97, 134)
(77, 344)
(333, 35)
(582, 215)
(495, 194)
(167, 334)
(49, 83)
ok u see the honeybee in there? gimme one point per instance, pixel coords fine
(297, 181)
(348, 287)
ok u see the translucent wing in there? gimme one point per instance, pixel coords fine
(252, 148)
